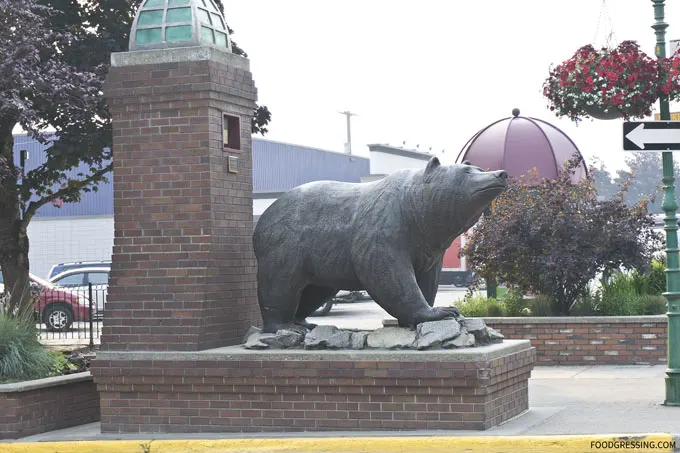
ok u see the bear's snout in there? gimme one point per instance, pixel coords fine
(502, 174)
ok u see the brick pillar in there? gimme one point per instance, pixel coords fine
(184, 274)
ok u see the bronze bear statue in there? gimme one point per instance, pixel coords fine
(387, 237)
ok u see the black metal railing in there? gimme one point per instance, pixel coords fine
(70, 312)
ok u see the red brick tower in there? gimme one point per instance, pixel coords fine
(184, 275)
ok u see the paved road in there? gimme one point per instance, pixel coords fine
(368, 315)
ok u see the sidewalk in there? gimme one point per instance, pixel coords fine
(600, 400)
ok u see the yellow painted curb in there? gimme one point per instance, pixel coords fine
(497, 444)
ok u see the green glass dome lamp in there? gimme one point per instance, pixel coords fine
(162, 24)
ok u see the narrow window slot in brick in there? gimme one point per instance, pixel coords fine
(231, 132)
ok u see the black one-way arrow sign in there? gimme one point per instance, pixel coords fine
(651, 135)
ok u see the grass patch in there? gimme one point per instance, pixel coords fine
(22, 356)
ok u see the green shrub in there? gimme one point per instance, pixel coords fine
(588, 304)
(480, 306)
(621, 283)
(541, 305)
(638, 282)
(652, 305)
(514, 301)
(623, 304)
(22, 356)
(656, 280)
(634, 294)
(495, 308)
(620, 296)
(654, 283)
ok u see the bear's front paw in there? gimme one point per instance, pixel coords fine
(439, 313)
(448, 312)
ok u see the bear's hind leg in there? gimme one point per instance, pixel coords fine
(313, 297)
(278, 294)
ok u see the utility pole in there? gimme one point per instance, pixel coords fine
(348, 114)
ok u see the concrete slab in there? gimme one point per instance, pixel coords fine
(632, 418)
(526, 422)
(557, 372)
(237, 353)
(584, 392)
(623, 372)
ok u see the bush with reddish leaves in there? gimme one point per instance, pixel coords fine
(552, 237)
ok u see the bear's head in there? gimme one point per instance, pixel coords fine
(455, 196)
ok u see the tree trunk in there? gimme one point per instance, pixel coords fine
(13, 234)
(14, 262)
(560, 304)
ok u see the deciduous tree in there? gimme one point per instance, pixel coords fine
(644, 178)
(54, 57)
(39, 88)
(552, 237)
(602, 178)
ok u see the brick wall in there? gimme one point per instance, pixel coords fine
(251, 392)
(64, 402)
(627, 340)
(183, 274)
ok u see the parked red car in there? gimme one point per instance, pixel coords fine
(57, 308)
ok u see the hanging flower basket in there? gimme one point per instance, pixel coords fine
(604, 84)
(669, 77)
(599, 113)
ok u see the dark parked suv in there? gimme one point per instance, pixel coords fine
(62, 267)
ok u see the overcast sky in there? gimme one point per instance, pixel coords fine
(431, 72)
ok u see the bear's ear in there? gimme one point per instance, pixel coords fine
(432, 164)
(467, 162)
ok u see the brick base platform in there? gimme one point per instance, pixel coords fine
(42, 405)
(234, 390)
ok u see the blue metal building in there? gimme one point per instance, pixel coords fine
(277, 167)
(84, 231)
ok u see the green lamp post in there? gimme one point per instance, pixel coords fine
(670, 206)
